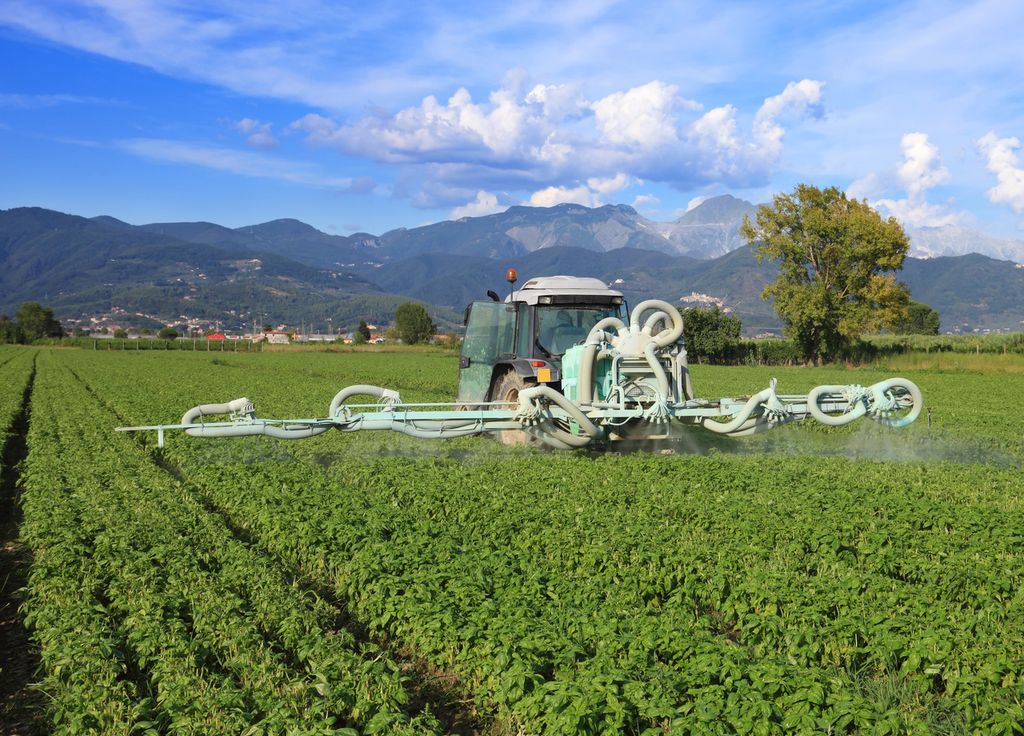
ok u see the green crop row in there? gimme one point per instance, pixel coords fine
(151, 615)
(574, 601)
(719, 594)
(15, 369)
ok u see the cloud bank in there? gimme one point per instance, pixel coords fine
(564, 147)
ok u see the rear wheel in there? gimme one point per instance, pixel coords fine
(506, 390)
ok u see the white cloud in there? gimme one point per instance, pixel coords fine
(920, 171)
(1001, 160)
(257, 134)
(501, 130)
(866, 187)
(645, 202)
(560, 101)
(484, 204)
(518, 139)
(797, 99)
(643, 116)
(591, 194)
(245, 163)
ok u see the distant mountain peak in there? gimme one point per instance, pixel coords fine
(723, 209)
(281, 227)
(110, 221)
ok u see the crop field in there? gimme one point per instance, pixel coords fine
(810, 580)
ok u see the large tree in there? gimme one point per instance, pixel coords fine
(837, 260)
(412, 323)
(35, 321)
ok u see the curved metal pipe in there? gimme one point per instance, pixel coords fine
(548, 440)
(585, 380)
(741, 417)
(238, 406)
(879, 403)
(915, 395)
(666, 337)
(529, 394)
(606, 322)
(814, 395)
(658, 316)
(567, 439)
(361, 390)
(658, 369)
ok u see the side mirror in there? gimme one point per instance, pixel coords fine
(463, 361)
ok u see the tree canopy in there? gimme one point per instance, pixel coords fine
(709, 334)
(837, 260)
(920, 320)
(412, 323)
(35, 321)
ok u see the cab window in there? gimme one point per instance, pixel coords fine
(560, 327)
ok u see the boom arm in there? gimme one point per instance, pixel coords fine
(623, 378)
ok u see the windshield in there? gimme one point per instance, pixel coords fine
(561, 327)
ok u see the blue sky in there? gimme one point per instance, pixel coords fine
(394, 114)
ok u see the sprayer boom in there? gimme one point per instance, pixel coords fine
(623, 382)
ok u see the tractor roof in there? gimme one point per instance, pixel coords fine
(553, 286)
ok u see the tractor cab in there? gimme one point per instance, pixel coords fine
(519, 343)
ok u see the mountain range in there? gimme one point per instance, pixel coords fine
(287, 271)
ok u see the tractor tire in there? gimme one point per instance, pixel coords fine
(506, 389)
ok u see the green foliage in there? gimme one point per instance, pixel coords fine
(9, 332)
(167, 333)
(363, 329)
(137, 589)
(358, 338)
(919, 320)
(36, 322)
(120, 333)
(798, 592)
(837, 259)
(710, 335)
(413, 324)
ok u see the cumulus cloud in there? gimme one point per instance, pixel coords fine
(591, 194)
(523, 136)
(798, 99)
(921, 168)
(1001, 160)
(484, 204)
(920, 171)
(643, 116)
(256, 134)
(560, 101)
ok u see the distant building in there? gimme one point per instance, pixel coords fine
(216, 336)
(278, 337)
